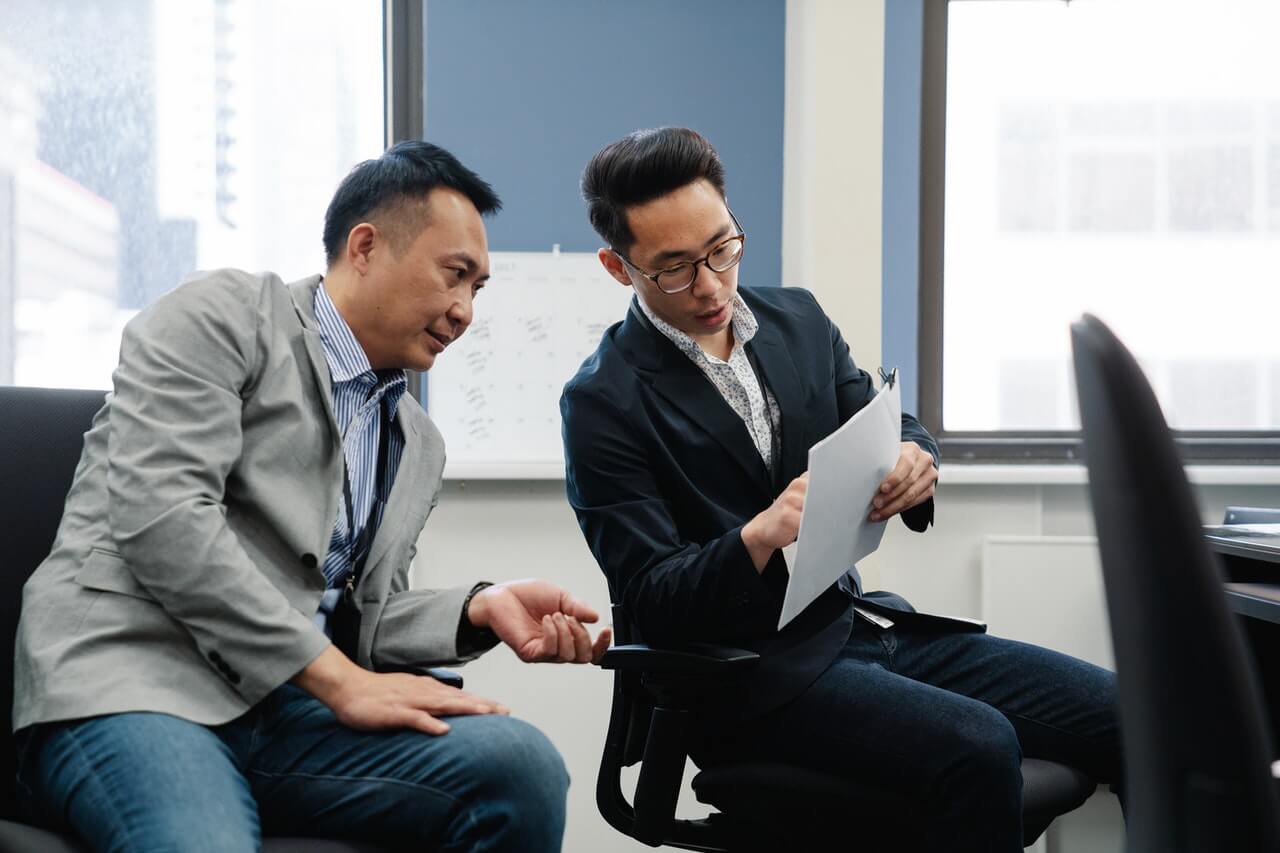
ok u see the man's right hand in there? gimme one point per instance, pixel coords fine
(778, 526)
(368, 700)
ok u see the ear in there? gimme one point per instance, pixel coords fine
(360, 244)
(614, 266)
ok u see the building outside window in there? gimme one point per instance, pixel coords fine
(146, 139)
(1120, 157)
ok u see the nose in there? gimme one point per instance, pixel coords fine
(460, 313)
(706, 281)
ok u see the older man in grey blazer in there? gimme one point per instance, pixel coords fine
(209, 649)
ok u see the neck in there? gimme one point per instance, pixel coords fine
(719, 344)
(340, 286)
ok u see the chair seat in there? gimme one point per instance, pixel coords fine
(757, 792)
(1050, 789)
(20, 838)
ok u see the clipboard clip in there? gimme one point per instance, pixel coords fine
(888, 380)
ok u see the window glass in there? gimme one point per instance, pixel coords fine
(144, 139)
(1120, 157)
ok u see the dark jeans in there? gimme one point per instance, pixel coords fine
(943, 720)
(153, 782)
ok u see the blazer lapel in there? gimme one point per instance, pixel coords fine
(304, 298)
(679, 381)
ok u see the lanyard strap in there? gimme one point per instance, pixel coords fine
(362, 544)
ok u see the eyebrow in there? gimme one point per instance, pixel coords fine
(467, 261)
(672, 254)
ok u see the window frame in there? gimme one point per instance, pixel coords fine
(403, 60)
(1240, 447)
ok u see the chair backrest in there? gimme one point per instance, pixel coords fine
(1197, 751)
(41, 436)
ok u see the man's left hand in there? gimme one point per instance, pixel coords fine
(909, 484)
(539, 621)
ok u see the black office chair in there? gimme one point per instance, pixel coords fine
(1197, 751)
(41, 435)
(765, 806)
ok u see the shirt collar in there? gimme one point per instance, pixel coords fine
(347, 359)
(744, 326)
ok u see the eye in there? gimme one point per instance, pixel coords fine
(461, 272)
(476, 288)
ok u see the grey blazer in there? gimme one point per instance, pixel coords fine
(186, 571)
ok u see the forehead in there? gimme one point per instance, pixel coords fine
(683, 219)
(450, 216)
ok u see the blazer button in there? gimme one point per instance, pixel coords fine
(216, 658)
(309, 560)
(233, 676)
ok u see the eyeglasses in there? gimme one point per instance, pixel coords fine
(724, 257)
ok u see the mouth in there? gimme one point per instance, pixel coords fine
(714, 317)
(440, 341)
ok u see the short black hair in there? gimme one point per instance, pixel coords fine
(407, 171)
(640, 167)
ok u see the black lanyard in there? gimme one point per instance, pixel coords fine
(363, 543)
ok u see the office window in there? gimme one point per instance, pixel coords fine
(145, 139)
(1120, 157)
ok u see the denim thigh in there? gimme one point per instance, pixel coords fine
(1063, 709)
(139, 782)
(491, 783)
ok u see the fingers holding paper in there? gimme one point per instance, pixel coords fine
(777, 526)
(911, 482)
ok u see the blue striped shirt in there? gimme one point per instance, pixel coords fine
(357, 392)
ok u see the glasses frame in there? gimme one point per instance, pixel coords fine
(740, 237)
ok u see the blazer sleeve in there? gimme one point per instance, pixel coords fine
(174, 439)
(422, 627)
(854, 389)
(675, 590)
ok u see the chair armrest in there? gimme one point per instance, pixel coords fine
(698, 659)
(444, 676)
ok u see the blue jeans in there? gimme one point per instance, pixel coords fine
(944, 721)
(153, 782)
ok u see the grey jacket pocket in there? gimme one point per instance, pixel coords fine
(106, 571)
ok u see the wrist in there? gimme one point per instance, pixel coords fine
(758, 550)
(327, 676)
(475, 607)
(474, 634)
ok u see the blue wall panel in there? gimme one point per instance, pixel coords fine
(525, 92)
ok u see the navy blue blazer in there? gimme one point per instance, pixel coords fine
(662, 474)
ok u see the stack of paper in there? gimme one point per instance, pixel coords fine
(845, 471)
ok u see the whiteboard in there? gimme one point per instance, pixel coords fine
(495, 392)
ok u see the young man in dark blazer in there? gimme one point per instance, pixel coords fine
(686, 442)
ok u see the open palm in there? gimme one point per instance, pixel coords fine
(540, 621)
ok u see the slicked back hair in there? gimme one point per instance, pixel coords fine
(391, 191)
(640, 167)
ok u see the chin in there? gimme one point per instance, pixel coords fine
(420, 360)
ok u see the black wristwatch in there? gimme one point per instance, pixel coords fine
(472, 640)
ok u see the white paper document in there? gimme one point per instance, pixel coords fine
(845, 470)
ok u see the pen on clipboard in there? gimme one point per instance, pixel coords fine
(888, 379)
